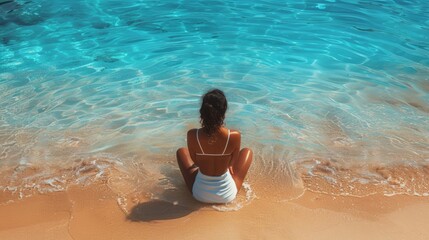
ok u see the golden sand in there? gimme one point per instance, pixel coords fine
(94, 212)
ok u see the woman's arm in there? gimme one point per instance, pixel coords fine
(191, 141)
(236, 142)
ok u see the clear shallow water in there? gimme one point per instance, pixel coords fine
(316, 87)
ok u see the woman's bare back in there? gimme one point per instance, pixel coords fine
(213, 154)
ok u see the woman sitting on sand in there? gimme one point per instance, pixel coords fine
(213, 165)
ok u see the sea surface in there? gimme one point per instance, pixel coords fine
(331, 95)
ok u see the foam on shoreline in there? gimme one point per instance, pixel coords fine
(164, 182)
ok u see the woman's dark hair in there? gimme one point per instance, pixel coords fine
(212, 111)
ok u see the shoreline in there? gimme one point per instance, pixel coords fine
(94, 212)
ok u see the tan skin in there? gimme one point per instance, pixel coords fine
(237, 163)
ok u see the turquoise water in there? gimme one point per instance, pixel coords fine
(312, 85)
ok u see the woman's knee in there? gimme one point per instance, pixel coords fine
(184, 159)
(246, 154)
(243, 162)
(181, 152)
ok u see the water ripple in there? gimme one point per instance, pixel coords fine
(329, 78)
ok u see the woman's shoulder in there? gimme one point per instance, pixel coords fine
(234, 133)
(192, 131)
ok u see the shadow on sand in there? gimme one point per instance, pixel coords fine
(172, 203)
(157, 210)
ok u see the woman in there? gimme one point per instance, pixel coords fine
(213, 165)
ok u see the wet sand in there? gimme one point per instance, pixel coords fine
(93, 212)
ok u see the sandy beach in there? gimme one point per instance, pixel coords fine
(94, 212)
(97, 96)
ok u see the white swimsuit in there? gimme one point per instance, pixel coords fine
(214, 189)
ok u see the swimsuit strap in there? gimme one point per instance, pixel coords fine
(198, 140)
(226, 145)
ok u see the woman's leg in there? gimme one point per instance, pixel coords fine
(241, 166)
(187, 167)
